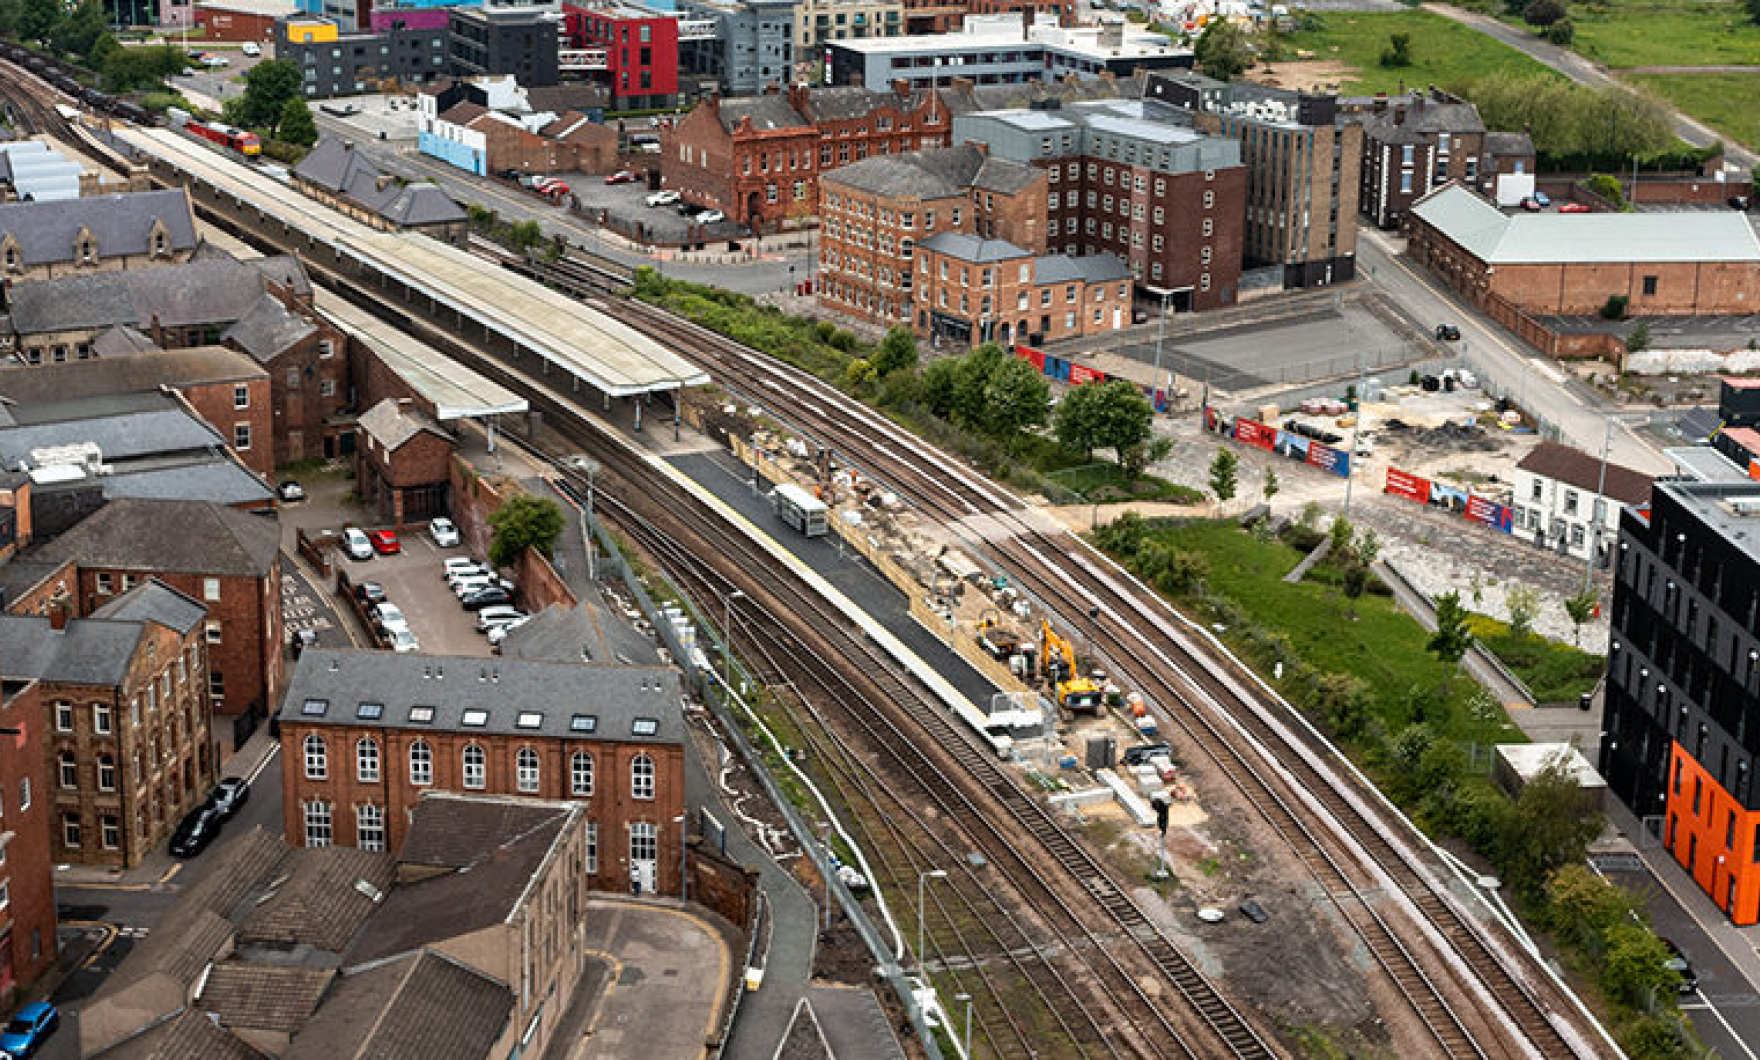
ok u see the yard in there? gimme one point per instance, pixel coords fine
(1443, 53)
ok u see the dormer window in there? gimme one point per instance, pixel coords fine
(11, 258)
(158, 242)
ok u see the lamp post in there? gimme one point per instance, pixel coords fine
(684, 827)
(1160, 337)
(967, 998)
(922, 912)
(727, 637)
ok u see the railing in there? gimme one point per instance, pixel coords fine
(696, 29)
(583, 59)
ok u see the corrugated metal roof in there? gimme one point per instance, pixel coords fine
(1586, 238)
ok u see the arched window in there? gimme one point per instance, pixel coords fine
(366, 760)
(526, 769)
(421, 763)
(317, 758)
(580, 774)
(475, 766)
(641, 777)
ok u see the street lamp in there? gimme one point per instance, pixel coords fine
(684, 827)
(1160, 336)
(727, 637)
(922, 913)
(967, 998)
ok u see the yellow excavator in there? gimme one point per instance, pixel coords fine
(1074, 692)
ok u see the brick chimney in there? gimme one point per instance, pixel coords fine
(797, 96)
(1380, 104)
(1399, 114)
(901, 88)
(58, 617)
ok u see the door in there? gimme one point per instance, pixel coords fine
(644, 858)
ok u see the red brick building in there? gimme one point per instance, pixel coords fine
(228, 560)
(365, 734)
(759, 159)
(970, 291)
(126, 742)
(27, 880)
(1665, 264)
(402, 462)
(639, 49)
(304, 357)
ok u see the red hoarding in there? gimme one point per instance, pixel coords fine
(1081, 373)
(1411, 487)
(1250, 432)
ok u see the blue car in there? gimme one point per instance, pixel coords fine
(26, 1032)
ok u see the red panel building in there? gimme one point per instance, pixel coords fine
(638, 50)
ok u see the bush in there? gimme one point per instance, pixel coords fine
(1398, 51)
(1562, 33)
(1608, 188)
(1542, 13)
(1615, 307)
(1638, 338)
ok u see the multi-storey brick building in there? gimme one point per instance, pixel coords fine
(1126, 178)
(875, 212)
(27, 871)
(631, 50)
(304, 355)
(1413, 144)
(42, 240)
(759, 159)
(971, 290)
(228, 560)
(403, 463)
(126, 745)
(365, 734)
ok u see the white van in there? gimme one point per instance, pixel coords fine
(252, 48)
(355, 543)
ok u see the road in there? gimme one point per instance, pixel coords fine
(1536, 384)
(1586, 72)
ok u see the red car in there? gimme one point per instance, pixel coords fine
(385, 542)
(622, 176)
(1573, 207)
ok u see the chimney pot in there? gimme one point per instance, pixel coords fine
(58, 618)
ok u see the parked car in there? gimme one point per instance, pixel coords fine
(469, 581)
(26, 1032)
(1677, 962)
(486, 597)
(216, 62)
(459, 564)
(499, 633)
(289, 490)
(197, 829)
(1543, 199)
(230, 795)
(445, 535)
(663, 198)
(1738, 202)
(1448, 333)
(402, 641)
(389, 617)
(369, 592)
(1141, 753)
(1573, 207)
(355, 543)
(385, 542)
(252, 49)
(301, 640)
(710, 217)
(689, 209)
(622, 176)
(490, 617)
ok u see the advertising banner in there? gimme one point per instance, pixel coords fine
(1327, 458)
(1409, 486)
(1080, 374)
(1490, 513)
(1252, 432)
(1034, 357)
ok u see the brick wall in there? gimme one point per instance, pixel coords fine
(696, 157)
(29, 867)
(218, 404)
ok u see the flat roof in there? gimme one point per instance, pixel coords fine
(605, 353)
(1705, 464)
(454, 390)
(1731, 510)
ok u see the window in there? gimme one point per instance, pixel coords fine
(529, 719)
(211, 589)
(475, 767)
(24, 794)
(63, 717)
(109, 833)
(317, 824)
(641, 777)
(103, 581)
(644, 842)
(526, 769)
(592, 847)
(317, 758)
(421, 715)
(421, 763)
(70, 829)
(241, 397)
(101, 717)
(1209, 199)
(369, 827)
(1405, 182)
(1209, 226)
(1649, 285)
(583, 723)
(68, 770)
(106, 773)
(366, 760)
(474, 718)
(211, 631)
(241, 436)
(369, 711)
(580, 773)
(327, 387)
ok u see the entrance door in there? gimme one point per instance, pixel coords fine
(644, 858)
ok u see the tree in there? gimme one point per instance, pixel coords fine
(1398, 51)
(1341, 534)
(1223, 50)
(897, 352)
(1112, 416)
(1523, 603)
(1356, 579)
(1542, 13)
(1638, 339)
(1222, 474)
(1581, 608)
(972, 380)
(1367, 547)
(1547, 828)
(1344, 699)
(296, 125)
(38, 19)
(939, 383)
(1452, 639)
(1581, 906)
(1562, 33)
(1016, 397)
(1271, 484)
(80, 30)
(267, 88)
(1754, 9)
(1635, 966)
(523, 522)
(1134, 459)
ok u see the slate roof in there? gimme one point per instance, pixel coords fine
(1573, 467)
(964, 97)
(154, 601)
(211, 291)
(567, 96)
(264, 996)
(120, 222)
(963, 247)
(767, 112)
(577, 634)
(87, 652)
(1422, 115)
(463, 113)
(1509, 145)
(185, 1035)
(999, 174)
(1496, 238)
(564, 696)
(933, 174)
(123, 426)
(422, 1007)
(497, 850)
(267, 329)
(78, 379)
(319, 903)
(215, 478)
(1088, 268)
(120, 341)
(337, 167)
(186, 537)
(849, 102)
(391, 424)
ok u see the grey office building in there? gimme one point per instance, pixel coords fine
(753, 45)
(360, 62)
(518, 41)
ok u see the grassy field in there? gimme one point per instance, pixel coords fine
(1726, 102)
(1629, 33)
(1443, 52)
(1554, 672)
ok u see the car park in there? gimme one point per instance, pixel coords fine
(689, 209)
(500, 615)
(389, 617)
(459, 564)
(402, 641)
(369, 592)
(1448, 333)
(663, 198)
(385, 543)
(1573, 207)
(468, 581)
(230, 795)
(289, 490)
(444, 533)
(486, 597)
(355, 543)
(28, 1029)
(197, 829)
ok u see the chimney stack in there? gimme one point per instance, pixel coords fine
(1399, 114)
(901, 88)
(58, 618)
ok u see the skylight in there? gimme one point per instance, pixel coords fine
(314, 708)
(475, 718)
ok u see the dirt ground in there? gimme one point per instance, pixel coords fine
(1304, 75)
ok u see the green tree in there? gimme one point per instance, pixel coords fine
(1638, 339)
(1271, 484)
(1562, 33)
(1548, 827)
(1580, 609)
(1452, 639)
(1523, 604)
(1016, 397)
(1753, 7)
(1344, 699)
(38, 19)
(1341, 533)
(940, 380)
(1398, 51)
(1581, 906)
(1356, 579)
(1542, 13)
(526, 234)
(972, 383)
(76, 33)
(267, 88)
(1112, 416)
(523, 522)
(11, 14)
(1635, 965)
(1134, 459)
(1223, 50)
(897, 353)
(1367, 547)
(1123, 534)
(296, 125)
(1222, 474)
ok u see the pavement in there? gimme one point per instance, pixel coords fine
(669, 969)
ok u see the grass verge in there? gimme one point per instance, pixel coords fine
(1554, 672)
(1726, 102)
(1443, 52)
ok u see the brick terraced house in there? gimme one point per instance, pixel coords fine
(365, 734)
(971, 291)
(1412, 145)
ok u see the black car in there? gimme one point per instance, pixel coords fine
(488, 597)
(197, 829)
(1136, 756)
(1738, 202)
(229, 795)
(1448, 333)
(369, 593)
